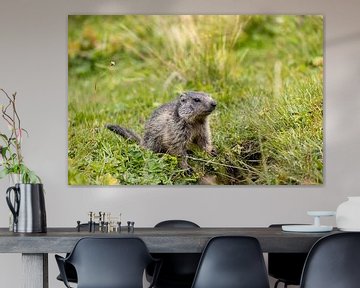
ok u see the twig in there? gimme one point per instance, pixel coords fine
(15, 124)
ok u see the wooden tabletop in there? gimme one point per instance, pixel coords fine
(158, 240)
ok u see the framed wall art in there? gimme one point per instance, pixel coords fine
(195, 99)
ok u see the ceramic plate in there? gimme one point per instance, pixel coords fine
(321, 213)
(306, 228)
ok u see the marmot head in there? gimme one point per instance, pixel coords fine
(195, 106)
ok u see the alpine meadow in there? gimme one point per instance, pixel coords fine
(265, 73)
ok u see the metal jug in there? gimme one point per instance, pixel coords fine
(28, 208)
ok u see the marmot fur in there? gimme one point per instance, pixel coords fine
(175, 125)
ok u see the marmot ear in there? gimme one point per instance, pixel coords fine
(183, 97)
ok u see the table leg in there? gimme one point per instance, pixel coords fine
(35, 270)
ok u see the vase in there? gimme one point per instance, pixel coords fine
(348, 214)
(27, 204)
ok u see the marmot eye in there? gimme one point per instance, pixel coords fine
(197, 99)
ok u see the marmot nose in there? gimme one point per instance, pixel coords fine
(213, 104)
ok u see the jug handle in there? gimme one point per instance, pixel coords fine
(13, 208)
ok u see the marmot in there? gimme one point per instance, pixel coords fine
(175, 125)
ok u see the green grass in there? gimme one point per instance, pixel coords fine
(265, 72)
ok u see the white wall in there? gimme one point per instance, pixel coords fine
(33, 62)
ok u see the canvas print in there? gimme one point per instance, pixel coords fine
(195, 99)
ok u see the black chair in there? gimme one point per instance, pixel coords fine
(286, 267)
(178, 269)
(69, 269)
(232, 262)
(108, 263)
(333, 262)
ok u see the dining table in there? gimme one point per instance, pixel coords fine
(35, 247)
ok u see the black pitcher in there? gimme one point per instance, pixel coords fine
(28, 208)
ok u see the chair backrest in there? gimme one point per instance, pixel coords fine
(110, 262)
(287, 267)
(333, 262)
(178, 269)
(232, 262)
(176, 224)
